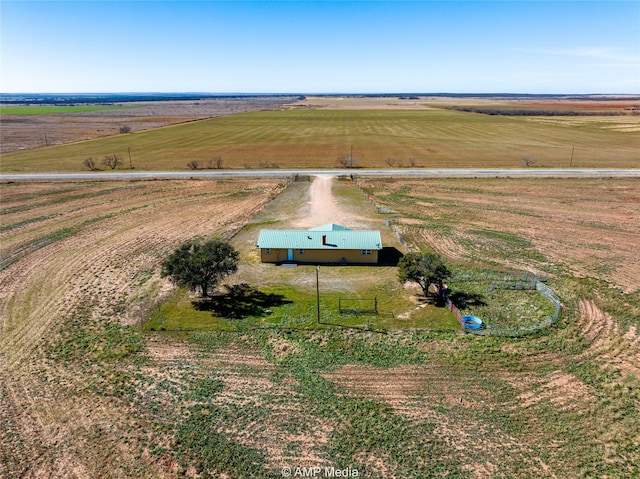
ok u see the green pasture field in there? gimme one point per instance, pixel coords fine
(435, 138)
(47, 110)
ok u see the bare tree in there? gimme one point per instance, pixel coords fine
(347, 161)
(125, 129)
(413, 162)
(390, 162)
(529, 160)
(112, 161)
(90, 163)
(194, 164)
(215, 163)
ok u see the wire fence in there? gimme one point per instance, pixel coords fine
(357, 306)
(523, 329)
(455, 311)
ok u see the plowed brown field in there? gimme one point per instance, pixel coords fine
(588, 228)
(89, 250)
(85, 394)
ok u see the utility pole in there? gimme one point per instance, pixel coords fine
(130, 164)
(318, 290)
(571, 161)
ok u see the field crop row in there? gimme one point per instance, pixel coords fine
(306, 138)
(585, 228)
(581, 236)
(69, 304)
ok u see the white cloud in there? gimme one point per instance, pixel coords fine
(610, 54)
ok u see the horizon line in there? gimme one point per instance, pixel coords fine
(337, 93)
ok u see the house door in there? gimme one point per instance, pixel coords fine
(290, 254)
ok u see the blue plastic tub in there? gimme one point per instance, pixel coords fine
(472, 322)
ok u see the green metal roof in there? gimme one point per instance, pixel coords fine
(331, 227)
(312, 239)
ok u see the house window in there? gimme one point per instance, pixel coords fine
(366, 252)
(300, 251)
(267, 251)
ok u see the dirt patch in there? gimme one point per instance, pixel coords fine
(443, 243)
(246, 373)
(281, 348)
(395, 386)
(563, 391)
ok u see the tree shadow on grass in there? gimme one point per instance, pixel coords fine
(463, 300)
(434, 299)
(241, 301)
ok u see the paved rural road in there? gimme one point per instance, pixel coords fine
(405, 172)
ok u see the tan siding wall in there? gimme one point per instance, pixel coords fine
(319, 256)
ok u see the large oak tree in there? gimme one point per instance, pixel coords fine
(201, 265)
(424, 269)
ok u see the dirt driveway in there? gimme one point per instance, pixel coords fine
(322, 206)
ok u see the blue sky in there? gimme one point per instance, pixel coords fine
(320, 47)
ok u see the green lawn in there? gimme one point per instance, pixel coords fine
(286, 306)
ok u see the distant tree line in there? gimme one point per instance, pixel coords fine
(109, 98)
(531, 112)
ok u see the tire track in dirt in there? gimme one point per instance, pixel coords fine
(442, 243)
(415, 392)
(563, 391)
(609, 344)
(587, 227)
(107, 265)
(279, 404)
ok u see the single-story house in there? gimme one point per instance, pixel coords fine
(327, 244)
